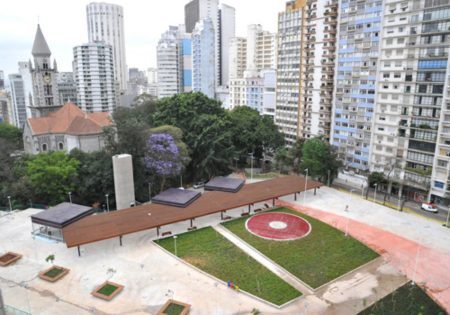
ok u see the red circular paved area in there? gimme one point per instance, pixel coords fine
(278, 226)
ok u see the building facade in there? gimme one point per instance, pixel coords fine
(67, 88)
(19, 110)
(238, 57)
(203, 58)
(261, 49)
(93, 67)
(106, 24)
(227, 31)
(64, 130)
(44, 76)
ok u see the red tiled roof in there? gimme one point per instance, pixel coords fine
(70, 119)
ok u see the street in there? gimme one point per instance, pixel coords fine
(392, 202)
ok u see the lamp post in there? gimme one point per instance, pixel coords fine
(235, 163)
(346, 226)
(10, 205)
(306, 186)
(149, 192)
(375, 193)
(70, 196)
(175, 244)
(448, 216)
(107, 202)
(251, 166)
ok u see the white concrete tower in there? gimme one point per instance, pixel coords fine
(203, 57)
(105, 23)
(123, 181)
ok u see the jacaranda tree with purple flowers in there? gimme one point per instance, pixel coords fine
(166, 155)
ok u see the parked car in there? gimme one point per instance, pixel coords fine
(198, 185)
(429, 207)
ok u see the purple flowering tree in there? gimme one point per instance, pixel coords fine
(164, 157)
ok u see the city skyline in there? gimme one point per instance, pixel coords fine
(16, 42)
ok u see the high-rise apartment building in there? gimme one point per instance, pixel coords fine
(2, 80)
(5, 107)
(19, 110)
(169, 62)
(197, 10)
(106, 24)
(93, 67)
(238, 57)
(67, 88)
(25, 72)
(411, 121)
(305, 54)
(261, 49)
(45, 87)
(357, 53)
(185, 62)
(203, 58)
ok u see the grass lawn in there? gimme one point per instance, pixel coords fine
(54, 272)
(325, 254)
(174, 309)
(107, 289)
(407, 300)
(211, 252)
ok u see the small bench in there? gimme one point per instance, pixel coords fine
(166, 233)
(192, 228)
(266, 205)
(243, 214)
(227, 217)
(257, 210)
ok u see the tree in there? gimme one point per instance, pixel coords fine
(377, 178)
(52, 176)
(12, 136)
(320, 158)
(94, 177)
(50, 258)
(252, 132)
(206, 132)
(166, 155)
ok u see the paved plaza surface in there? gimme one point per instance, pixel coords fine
(151, 276)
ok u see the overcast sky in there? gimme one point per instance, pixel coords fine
(63, 23)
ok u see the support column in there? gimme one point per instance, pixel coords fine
(192, 222)
(315, 189)
(295, 197)
(221, 215)
(120, 240)
(79, 253)
(249, 207)
(157, 231)
(273, 202)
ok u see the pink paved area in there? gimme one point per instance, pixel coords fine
(278, 226)
(429, 268)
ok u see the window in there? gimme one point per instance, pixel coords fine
(439, 185)
(44, 147)
(61, 146)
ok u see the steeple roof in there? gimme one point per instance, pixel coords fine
(40, 47)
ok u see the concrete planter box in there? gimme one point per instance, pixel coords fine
(184, 311)
(45, 276)
(9, 258)
(108, 297)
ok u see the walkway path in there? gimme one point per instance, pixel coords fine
(262, 259)
(426, 266)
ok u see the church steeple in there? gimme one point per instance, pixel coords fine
(40, 47)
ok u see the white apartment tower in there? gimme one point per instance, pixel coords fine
(106, 23)
(261, 49)
(203, 57)
(227, 31)
(238, 57)
(19, 110)
(93, 68)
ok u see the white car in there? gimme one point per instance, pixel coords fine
(429, 207)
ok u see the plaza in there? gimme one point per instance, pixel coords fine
(151, 276)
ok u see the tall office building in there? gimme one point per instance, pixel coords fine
(168, 62)
(359, 37)
(223, 20)
(5, 107)
(67, 88)
(93, 67)
(19, 110)
(227, 31)
(45, 87)
(203, 57)
(185, 62)
(238, 57)
(305, 54)
(25, 71)
(106, 23)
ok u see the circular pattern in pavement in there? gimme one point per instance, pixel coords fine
(278, 226)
